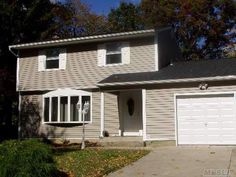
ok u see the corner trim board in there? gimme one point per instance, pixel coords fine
(144, 114)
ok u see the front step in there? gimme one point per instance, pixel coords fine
(121, 142)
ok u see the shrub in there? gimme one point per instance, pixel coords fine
(28, 158)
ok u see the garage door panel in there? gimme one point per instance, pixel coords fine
(229, 124)
(228, 131)
(189, 139)
(228, 139)
(206, 119)
(213, 139)
(188, 132)
(191, 125)
(227, 118)
(212, 125)
(213, 132)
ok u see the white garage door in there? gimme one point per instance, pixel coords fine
(206, 119)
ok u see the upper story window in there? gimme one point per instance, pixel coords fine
(66, 105)
(111, 54)
(52, 59)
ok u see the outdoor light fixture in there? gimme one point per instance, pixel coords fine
(203, 86)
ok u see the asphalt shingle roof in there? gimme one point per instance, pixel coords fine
(180, 70)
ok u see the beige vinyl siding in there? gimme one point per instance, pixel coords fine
(82, 70)
(63, 131)
(111, 117)
(160, 108)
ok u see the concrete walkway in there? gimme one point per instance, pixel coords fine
(183, 162)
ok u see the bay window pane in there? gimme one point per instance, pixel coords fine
(74, 116)
(54, 109)
(46, 109)
(63, 109)
(86, 99)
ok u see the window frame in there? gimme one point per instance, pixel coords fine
(52, 58)
(113, 53)
(65, 93)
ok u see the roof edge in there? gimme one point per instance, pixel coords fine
(168, 81)
(93, 38)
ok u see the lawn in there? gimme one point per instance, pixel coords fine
(95, 162)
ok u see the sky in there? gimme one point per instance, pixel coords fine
(102, 7)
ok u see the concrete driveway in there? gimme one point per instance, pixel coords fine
(183, 162)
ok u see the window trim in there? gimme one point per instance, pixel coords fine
(66, 93)
(52, 58)
(42, 59)
(113, 53)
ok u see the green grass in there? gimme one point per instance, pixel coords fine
(95, 162)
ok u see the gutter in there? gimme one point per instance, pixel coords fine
(15, 54)
(86, 39)
(169, 81)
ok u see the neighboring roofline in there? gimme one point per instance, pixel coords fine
(86, 39)
(51, 89)
(168, 81)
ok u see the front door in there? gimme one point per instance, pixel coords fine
(131, 112)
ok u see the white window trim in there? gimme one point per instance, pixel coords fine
(52, 58)
(115, 64)
(66, 93)
(102, 54)
(113, 53)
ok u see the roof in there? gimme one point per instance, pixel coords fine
(86, 39)
(204, 70)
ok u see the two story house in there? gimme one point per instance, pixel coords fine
(133, 85)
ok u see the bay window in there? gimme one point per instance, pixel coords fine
(66, 107)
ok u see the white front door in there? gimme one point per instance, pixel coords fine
(206, 119)
(131, 112)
